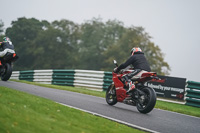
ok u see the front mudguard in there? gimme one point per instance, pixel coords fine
(111, 98)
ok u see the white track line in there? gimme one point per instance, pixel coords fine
(119, 121)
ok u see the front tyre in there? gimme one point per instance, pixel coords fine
(147, 101)
(111, 97)
(7, 72)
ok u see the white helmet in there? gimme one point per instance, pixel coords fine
(135, 49)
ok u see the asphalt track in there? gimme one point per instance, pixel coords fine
(156, 121)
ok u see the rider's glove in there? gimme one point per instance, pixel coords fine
(115, 70)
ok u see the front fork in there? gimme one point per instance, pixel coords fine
(112, 91)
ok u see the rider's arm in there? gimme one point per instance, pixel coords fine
(125, 64)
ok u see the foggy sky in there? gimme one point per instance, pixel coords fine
(174, 25)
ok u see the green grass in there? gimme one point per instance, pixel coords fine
(184, 109)
(25, 113)
(179, 108)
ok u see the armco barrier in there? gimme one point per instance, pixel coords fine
(81, 78)
(63, 77)
(193, 94)
(88, 78)
(26, 75)
(91, 79)
(42, 76)
(15, 75)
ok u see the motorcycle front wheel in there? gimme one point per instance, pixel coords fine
(7, 72)
(147, 101)
(111, 97)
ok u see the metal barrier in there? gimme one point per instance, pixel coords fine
(79, 78)
(63, 77)
(26, 75)
(193, 94)
(91, 79)
(42, 76)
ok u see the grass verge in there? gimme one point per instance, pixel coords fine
(25, 113)
(179, 108)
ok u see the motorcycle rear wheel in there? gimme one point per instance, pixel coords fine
(146, 102)
(7, 72)
(111, 97)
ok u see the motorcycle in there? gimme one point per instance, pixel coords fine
(143, 97)
(6, 68)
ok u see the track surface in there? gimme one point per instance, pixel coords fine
(157, 120)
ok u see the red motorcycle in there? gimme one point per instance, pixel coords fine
(143, 97)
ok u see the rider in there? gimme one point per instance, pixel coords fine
(140, 65)
(6, 46)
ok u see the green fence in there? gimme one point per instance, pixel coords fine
(92, 79)
(26, 75)
(63, 77)
(81, 78)
(107, 80)
(193, 94)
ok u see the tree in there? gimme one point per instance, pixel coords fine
(137, 37)
(22, 34)
(96, 37)
(70, 39)
(54, 48)
(92, 45)
(42, 45)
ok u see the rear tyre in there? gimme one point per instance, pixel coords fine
(147, 101)
(111, 97)
(7, 72)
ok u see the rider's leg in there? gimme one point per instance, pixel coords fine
(131, 86)
(125, 81)
(132, 75)
(3, 53)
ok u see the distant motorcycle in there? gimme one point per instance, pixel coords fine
(6, 69)
(143, 97)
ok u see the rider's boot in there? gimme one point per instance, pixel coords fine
(131, 87)
(126, 85)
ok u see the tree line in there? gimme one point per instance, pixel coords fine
(91, 45)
